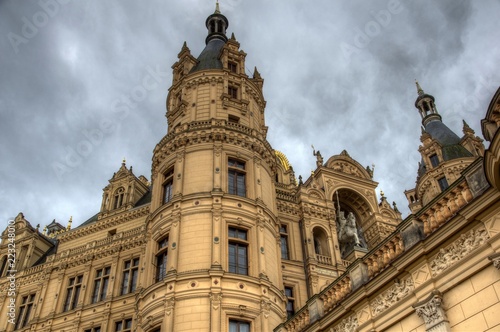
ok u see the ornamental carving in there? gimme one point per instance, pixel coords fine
(350, 324)
(432, 313)
(393, 295)
(457, 250)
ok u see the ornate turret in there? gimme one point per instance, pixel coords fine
(209, 58)
(444, 153)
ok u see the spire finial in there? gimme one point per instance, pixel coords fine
(419, 89)
(217, 10)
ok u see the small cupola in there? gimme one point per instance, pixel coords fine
(426, 107)
(217, 25)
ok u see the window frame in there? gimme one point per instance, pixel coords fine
(236, 177)
(129, 284)
(434, 159)
(93, 329)
(73, 291)
(118, 197)
(239, 323)
(237, 243)
(233, 91)
(24, 311)
(101, 284)
(162, 253)
(232, 66)
(124, 327)
(284, 241)
(443, 183)
(290, 299)
(168, 186)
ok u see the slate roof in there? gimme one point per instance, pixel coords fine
(449, 141)
(210, 57)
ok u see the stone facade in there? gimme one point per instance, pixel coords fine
(224, 237)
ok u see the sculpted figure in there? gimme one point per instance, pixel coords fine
(348, 229)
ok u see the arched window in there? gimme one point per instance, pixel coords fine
(321, 246)
(119, 194)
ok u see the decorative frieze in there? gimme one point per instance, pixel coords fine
(458, 249)
(349, 324)
(390, 297)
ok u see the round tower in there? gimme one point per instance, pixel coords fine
(215, 241)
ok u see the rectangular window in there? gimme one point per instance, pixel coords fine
(238, 326)
(284, 242)
(161, 259)
(93, 329)
(443, 184)
(290, 302)
(101, 282)
(73, 293)
(167, 186)
(124, 325)
(434, 160)
(233, 67)
(236, 177)
(130, 275)
(23, 315)
(232, 92)
(238, 251)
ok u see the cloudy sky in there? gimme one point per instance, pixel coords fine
(338, 75)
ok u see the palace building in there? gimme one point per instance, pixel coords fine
(223, 237)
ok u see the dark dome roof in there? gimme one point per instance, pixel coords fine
(210, 57)
(448, 140)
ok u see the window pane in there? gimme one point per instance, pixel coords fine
(135, 273)
(284, 247)
(240, 183)
(125, 282)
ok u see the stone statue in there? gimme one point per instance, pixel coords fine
(319, 157)
(348, 229)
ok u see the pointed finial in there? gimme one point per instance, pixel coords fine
(232, 36)
(419, 89)
(217, 10)
(69, 223)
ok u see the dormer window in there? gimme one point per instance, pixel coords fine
(233, 67)
(118, 197)
(443, 183)
(434, 160)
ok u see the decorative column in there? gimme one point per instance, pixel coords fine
(433, 314)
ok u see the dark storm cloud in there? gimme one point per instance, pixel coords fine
(338, 75)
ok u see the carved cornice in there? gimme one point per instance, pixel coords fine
(213, 131)
(104, 223)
